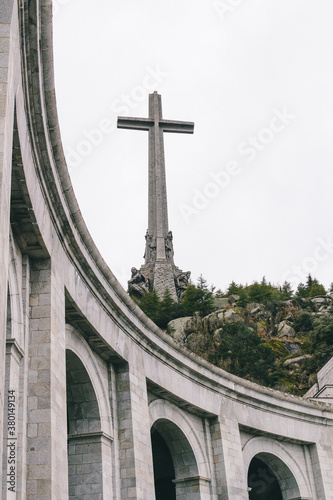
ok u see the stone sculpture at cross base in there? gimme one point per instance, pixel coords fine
(160, 274)
(159, 271)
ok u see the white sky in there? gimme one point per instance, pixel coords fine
(230, 66)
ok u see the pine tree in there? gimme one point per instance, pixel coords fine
(286, 291)
(150, 304)
(167, 310)
(198, 299)
(233, 289)
(316, 289)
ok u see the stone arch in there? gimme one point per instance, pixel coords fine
(83, 415)
(77, 344)
(191, 474)
(89, 422)
(288, 473)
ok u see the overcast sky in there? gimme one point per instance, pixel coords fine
(250, 194)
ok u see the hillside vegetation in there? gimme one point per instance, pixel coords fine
(266, 334)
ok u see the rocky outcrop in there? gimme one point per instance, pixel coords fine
(285, 330)
(176, 328)
(284, 326)
(221, 302)
(296, 360)
(232, 316)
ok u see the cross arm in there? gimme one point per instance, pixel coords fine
(176, 126)
(134, 123)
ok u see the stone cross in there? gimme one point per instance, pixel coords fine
(157, 195)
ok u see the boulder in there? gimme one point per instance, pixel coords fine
(291, 303)
(257, 310)
(221, 303)
(251, 306)
(220, 317)
(233, 298)
(212, 322)
(231, 316)
(320, 301)
(193, 324)
(291, 348)
(217, 336)
(176, 328)
(296, 360)
(285, 330)
(196, 341)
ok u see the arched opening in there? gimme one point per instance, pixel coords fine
(262, 481)
(269, 478)
(164, 471)
(85, 478)
(176, 472)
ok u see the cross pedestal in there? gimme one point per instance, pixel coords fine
(159, 271)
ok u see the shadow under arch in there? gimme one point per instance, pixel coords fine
(262, 482)
(268, 462)
(78, 345)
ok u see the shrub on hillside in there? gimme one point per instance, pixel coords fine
(243, 353)
(197, 298)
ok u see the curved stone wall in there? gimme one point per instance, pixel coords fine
(63, 298)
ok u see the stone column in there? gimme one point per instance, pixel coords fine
(24, 369)
(321, 456)
(193, 488)
(14, 355)
(47, 422)
(228, 459)
(135, 453)
(90, 468)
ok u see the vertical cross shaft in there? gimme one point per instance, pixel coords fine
(157, 198)
(157, 194)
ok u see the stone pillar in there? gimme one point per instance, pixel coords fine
(24, 369)
(47, 422)
(193, 488)
(14, 355)
(89, 466)
(230, 476)
(135, 453)
(322, 466)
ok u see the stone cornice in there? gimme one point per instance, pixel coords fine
(90, 436)
(12, 347)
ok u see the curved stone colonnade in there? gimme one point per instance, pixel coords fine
(96, 401)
